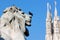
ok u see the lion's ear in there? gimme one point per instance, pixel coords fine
(30, 13)
(26, 33)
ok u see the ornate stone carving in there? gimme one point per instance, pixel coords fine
(13, 24)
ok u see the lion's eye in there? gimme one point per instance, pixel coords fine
(23, 13)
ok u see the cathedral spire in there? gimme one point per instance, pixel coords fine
(48, 23)
(48, 20)
(48, 10)
(55, 12)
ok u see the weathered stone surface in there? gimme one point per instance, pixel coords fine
(12, 24)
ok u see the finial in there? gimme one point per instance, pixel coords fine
(55, 3)
(55, 8)
(47, 6)
(48, 10)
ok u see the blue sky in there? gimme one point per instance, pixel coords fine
(38, 8)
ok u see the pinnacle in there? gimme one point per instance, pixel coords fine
(48, 7)
(55, 3)
(55, 8)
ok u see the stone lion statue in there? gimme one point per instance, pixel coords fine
(13, 24)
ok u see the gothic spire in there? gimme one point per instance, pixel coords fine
(48, 19)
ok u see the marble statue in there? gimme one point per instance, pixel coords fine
(13, 24)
